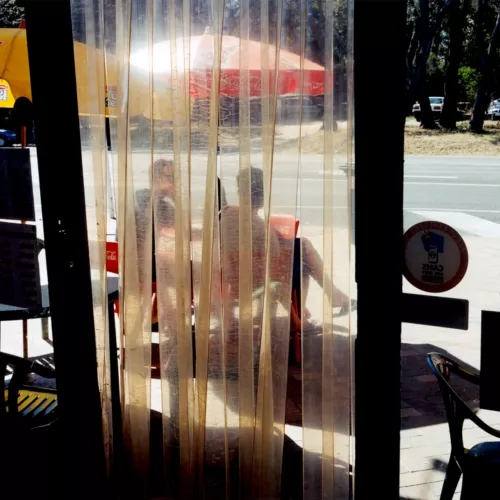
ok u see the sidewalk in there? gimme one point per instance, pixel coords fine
(425, 442)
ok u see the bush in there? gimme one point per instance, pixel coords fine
(468, 80)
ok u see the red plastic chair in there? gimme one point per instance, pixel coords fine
(112, 264)
(112, 267)
(287, 226)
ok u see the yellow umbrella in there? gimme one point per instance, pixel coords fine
(14, 70)
(15, 79)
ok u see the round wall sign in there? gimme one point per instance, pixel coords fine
(436, 257)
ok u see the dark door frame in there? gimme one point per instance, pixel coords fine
(379, 86)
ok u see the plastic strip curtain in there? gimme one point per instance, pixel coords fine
(213, 140)
(260, 183)
(135, 240)
(88, 22)
(211, 450)
(132, 460)
(325, 258)
(171, 179)
(280, 167)
(349, 82)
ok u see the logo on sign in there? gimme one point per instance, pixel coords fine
(111, 255)
(4, 93)
(432, 271)
(436, 257)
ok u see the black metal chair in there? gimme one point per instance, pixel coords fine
(479, 465)
(37, 406)
(29, 430)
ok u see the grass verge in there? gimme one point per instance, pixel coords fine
(458, 143)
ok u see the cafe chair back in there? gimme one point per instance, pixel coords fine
(479, 465)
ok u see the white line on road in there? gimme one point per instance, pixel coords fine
(466, 210)
(452, 184)
(309, 207)
(430, 177)
(471, 165)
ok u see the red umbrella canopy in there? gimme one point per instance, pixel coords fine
(244, 63)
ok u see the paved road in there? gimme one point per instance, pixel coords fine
(469, 185)
(464, 191)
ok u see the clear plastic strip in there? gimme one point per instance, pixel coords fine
(135, 242)
(268, 113)
(342, 249)
(245, 323)
(216, 465)
(350, 221)
(262, 463)
(173, 253)
(229, 246)
(90, 70)
(325, 259)
(312, 244)
(123, 13)
(206, 272)
(282, 171)
(179, 45)
(328, 363)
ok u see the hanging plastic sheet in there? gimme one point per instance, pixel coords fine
(171, 187)
(88, 25)
(135, 239)
(211, 439)
(280, 166)
(325, 258)
(229, 138)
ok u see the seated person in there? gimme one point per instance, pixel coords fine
(230, 222)
(312, 264)
(164, 259)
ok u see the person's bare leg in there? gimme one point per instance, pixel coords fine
(306, 280)
(313, 266)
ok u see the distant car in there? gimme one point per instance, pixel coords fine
(494, 110)
(7, 137)
(436, 106)
(464, 110)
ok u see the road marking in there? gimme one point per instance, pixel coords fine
(465, 210)
(452, 184)
(309, 207)
(430, 177)
(463, 222)
(444, 158)
(449, 166)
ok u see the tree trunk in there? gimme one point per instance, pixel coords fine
(483, 89)
(455, 54)
(426, 117)
(428, 33)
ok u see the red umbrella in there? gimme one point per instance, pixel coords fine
(201, 50)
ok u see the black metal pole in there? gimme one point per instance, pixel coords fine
(53, 82)
(380, 65)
